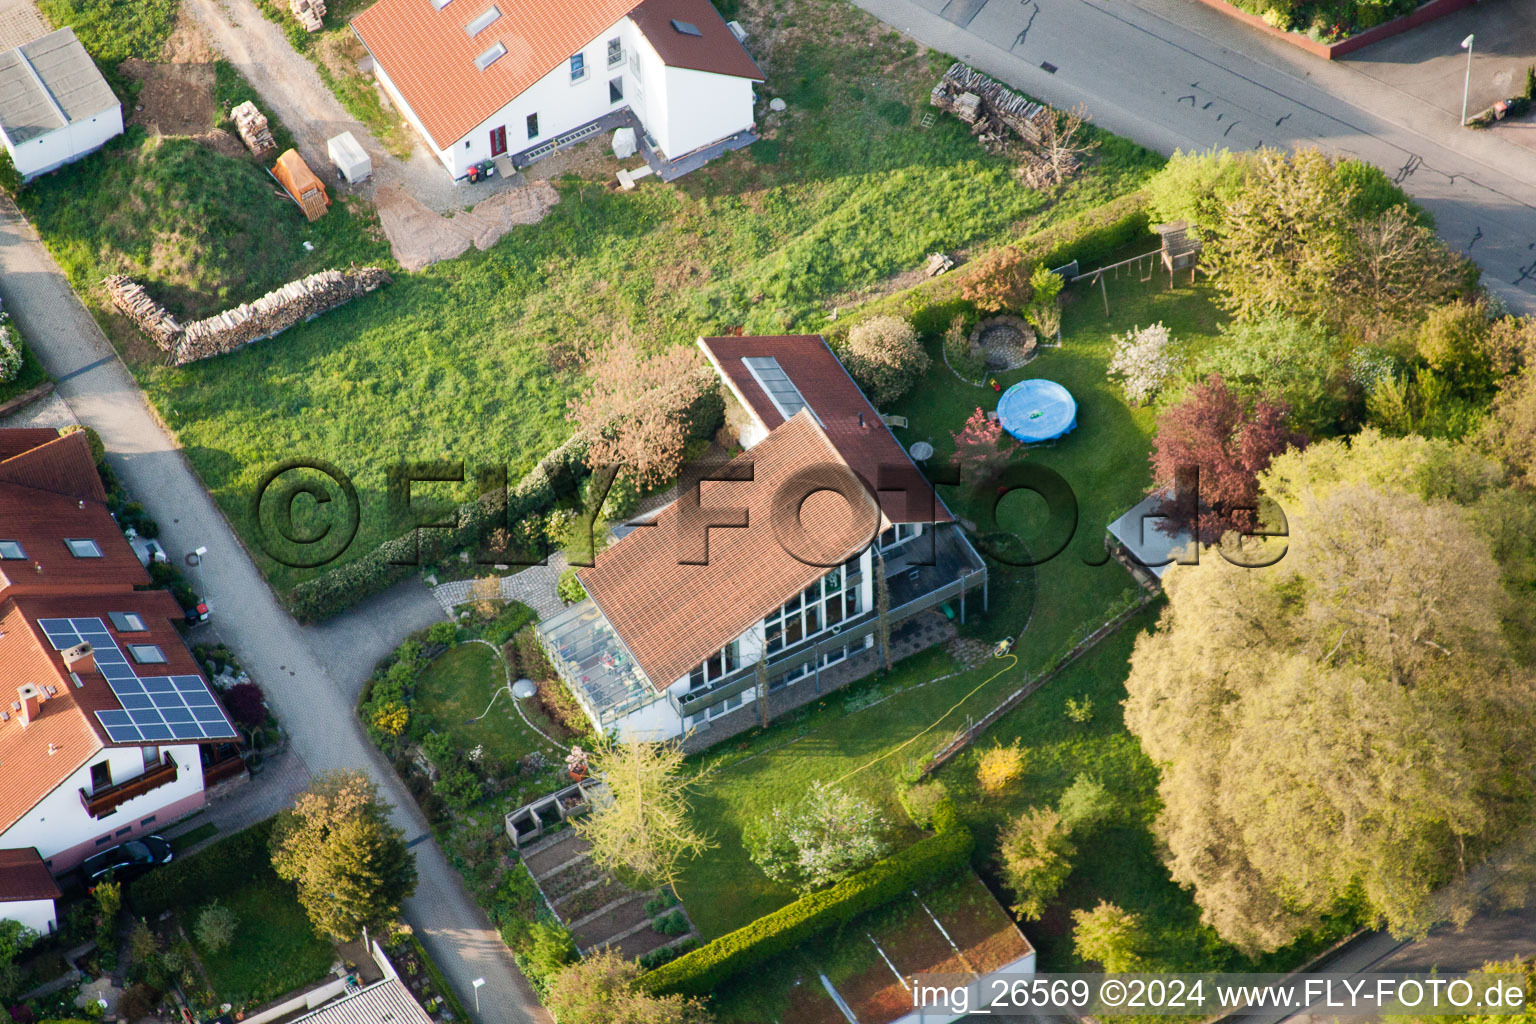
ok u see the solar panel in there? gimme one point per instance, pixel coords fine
(781, 391)
(155, 708)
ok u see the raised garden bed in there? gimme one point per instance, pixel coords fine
(576, 907)
(614, 922)
(1348, 44)
(561, 884)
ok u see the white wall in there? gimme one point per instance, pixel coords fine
(560, 104)
(35, 914)
(702, 108)
(657, 720)
(59, 147)
(59, 822)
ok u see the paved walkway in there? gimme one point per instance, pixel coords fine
(1175, 74)
(311, 676)
(534, 586)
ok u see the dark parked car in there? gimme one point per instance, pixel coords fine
(128, 861)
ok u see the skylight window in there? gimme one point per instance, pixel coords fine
(83, 548)
(781, 391)
(147, 654)
(440, 4)
(11, 549)
(483, 22)
(687, 28)
(127, 622)
(490, 56)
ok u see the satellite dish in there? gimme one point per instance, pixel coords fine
(524, 688)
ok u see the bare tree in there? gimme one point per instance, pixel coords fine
(1060, 146)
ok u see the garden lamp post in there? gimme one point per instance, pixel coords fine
(1466, 44)
(478, 983)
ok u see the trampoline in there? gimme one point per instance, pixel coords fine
(1037, 410)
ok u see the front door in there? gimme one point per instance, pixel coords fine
(498, 140)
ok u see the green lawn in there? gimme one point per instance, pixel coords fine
(456, 689)
(275, 949)
(475, 358)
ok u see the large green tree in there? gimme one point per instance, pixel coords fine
(1350, 725)
(350, 864)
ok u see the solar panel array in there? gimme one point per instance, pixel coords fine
(156, 709)
(781, 391)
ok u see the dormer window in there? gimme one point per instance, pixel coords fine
(10, 549)
(128, 622)
(83, 547)
(483, 22)
(147, 654)
(490, 56)
(578, 67)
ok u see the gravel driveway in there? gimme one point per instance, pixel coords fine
(412, 196)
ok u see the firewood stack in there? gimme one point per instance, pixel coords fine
(224, 332)
(148, 315)
(992, 109)
(254, 130)
(311, 13)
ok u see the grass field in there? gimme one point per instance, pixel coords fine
(476, 358)
(455, 690)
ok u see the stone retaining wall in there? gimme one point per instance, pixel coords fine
(269, 315)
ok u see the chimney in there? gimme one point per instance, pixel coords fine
(31, 703)
(80, 658)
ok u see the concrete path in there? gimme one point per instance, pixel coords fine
(311, 676)
(1175, 74)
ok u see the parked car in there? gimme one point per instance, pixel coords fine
(129, 860)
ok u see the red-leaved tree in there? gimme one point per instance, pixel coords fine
(982, 449)
(1230, 443)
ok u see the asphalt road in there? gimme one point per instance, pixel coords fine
(312, 676)
(1172, 74)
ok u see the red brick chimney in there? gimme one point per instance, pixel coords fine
(31, 703)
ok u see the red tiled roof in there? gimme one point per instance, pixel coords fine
(60, 465)
(41, 521)
(715, 51)
(24, 876)
(431, 58)
(18, 440)
(837, 401)
(672, 616)
(66, 724)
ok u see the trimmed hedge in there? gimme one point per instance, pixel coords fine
(1090, 238)
(205, 877)
(701, 971)
(557, 476)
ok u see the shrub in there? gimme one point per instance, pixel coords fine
(998, 281)
(1044, 310)
(137, 1002)
(957, 351)
(999, 767)
(826, 835)
(982, 450)
(921, 800)
(1110, 935)
(885, 357)
(706, 968)
(391, 718)
(1143, 361)
(444, 633)
(1085, 805)
(556, 702)
(10, 177)
(569, 587)
(1037, 857)
(216, 926)
(1080, 711)
(10, 348)
(457, 783)
(604, 989)
(247, 703)
(672, 924)
(548, 948)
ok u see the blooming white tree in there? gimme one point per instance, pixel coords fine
(1143, 360)
(10, 351)
(824, 836)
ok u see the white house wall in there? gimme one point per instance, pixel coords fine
(657, 720)
(702, 108)
(65, 834)
(560, 104)
(35, 914)
(62, 145)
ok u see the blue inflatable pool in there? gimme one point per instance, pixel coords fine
(1037, 410)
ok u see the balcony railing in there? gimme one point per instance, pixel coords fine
(104, 801)
(696, 702)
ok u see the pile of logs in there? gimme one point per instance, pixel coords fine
(993, 110)
(254, 130)
(148, 315)
(311, 13)
(224, 332)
